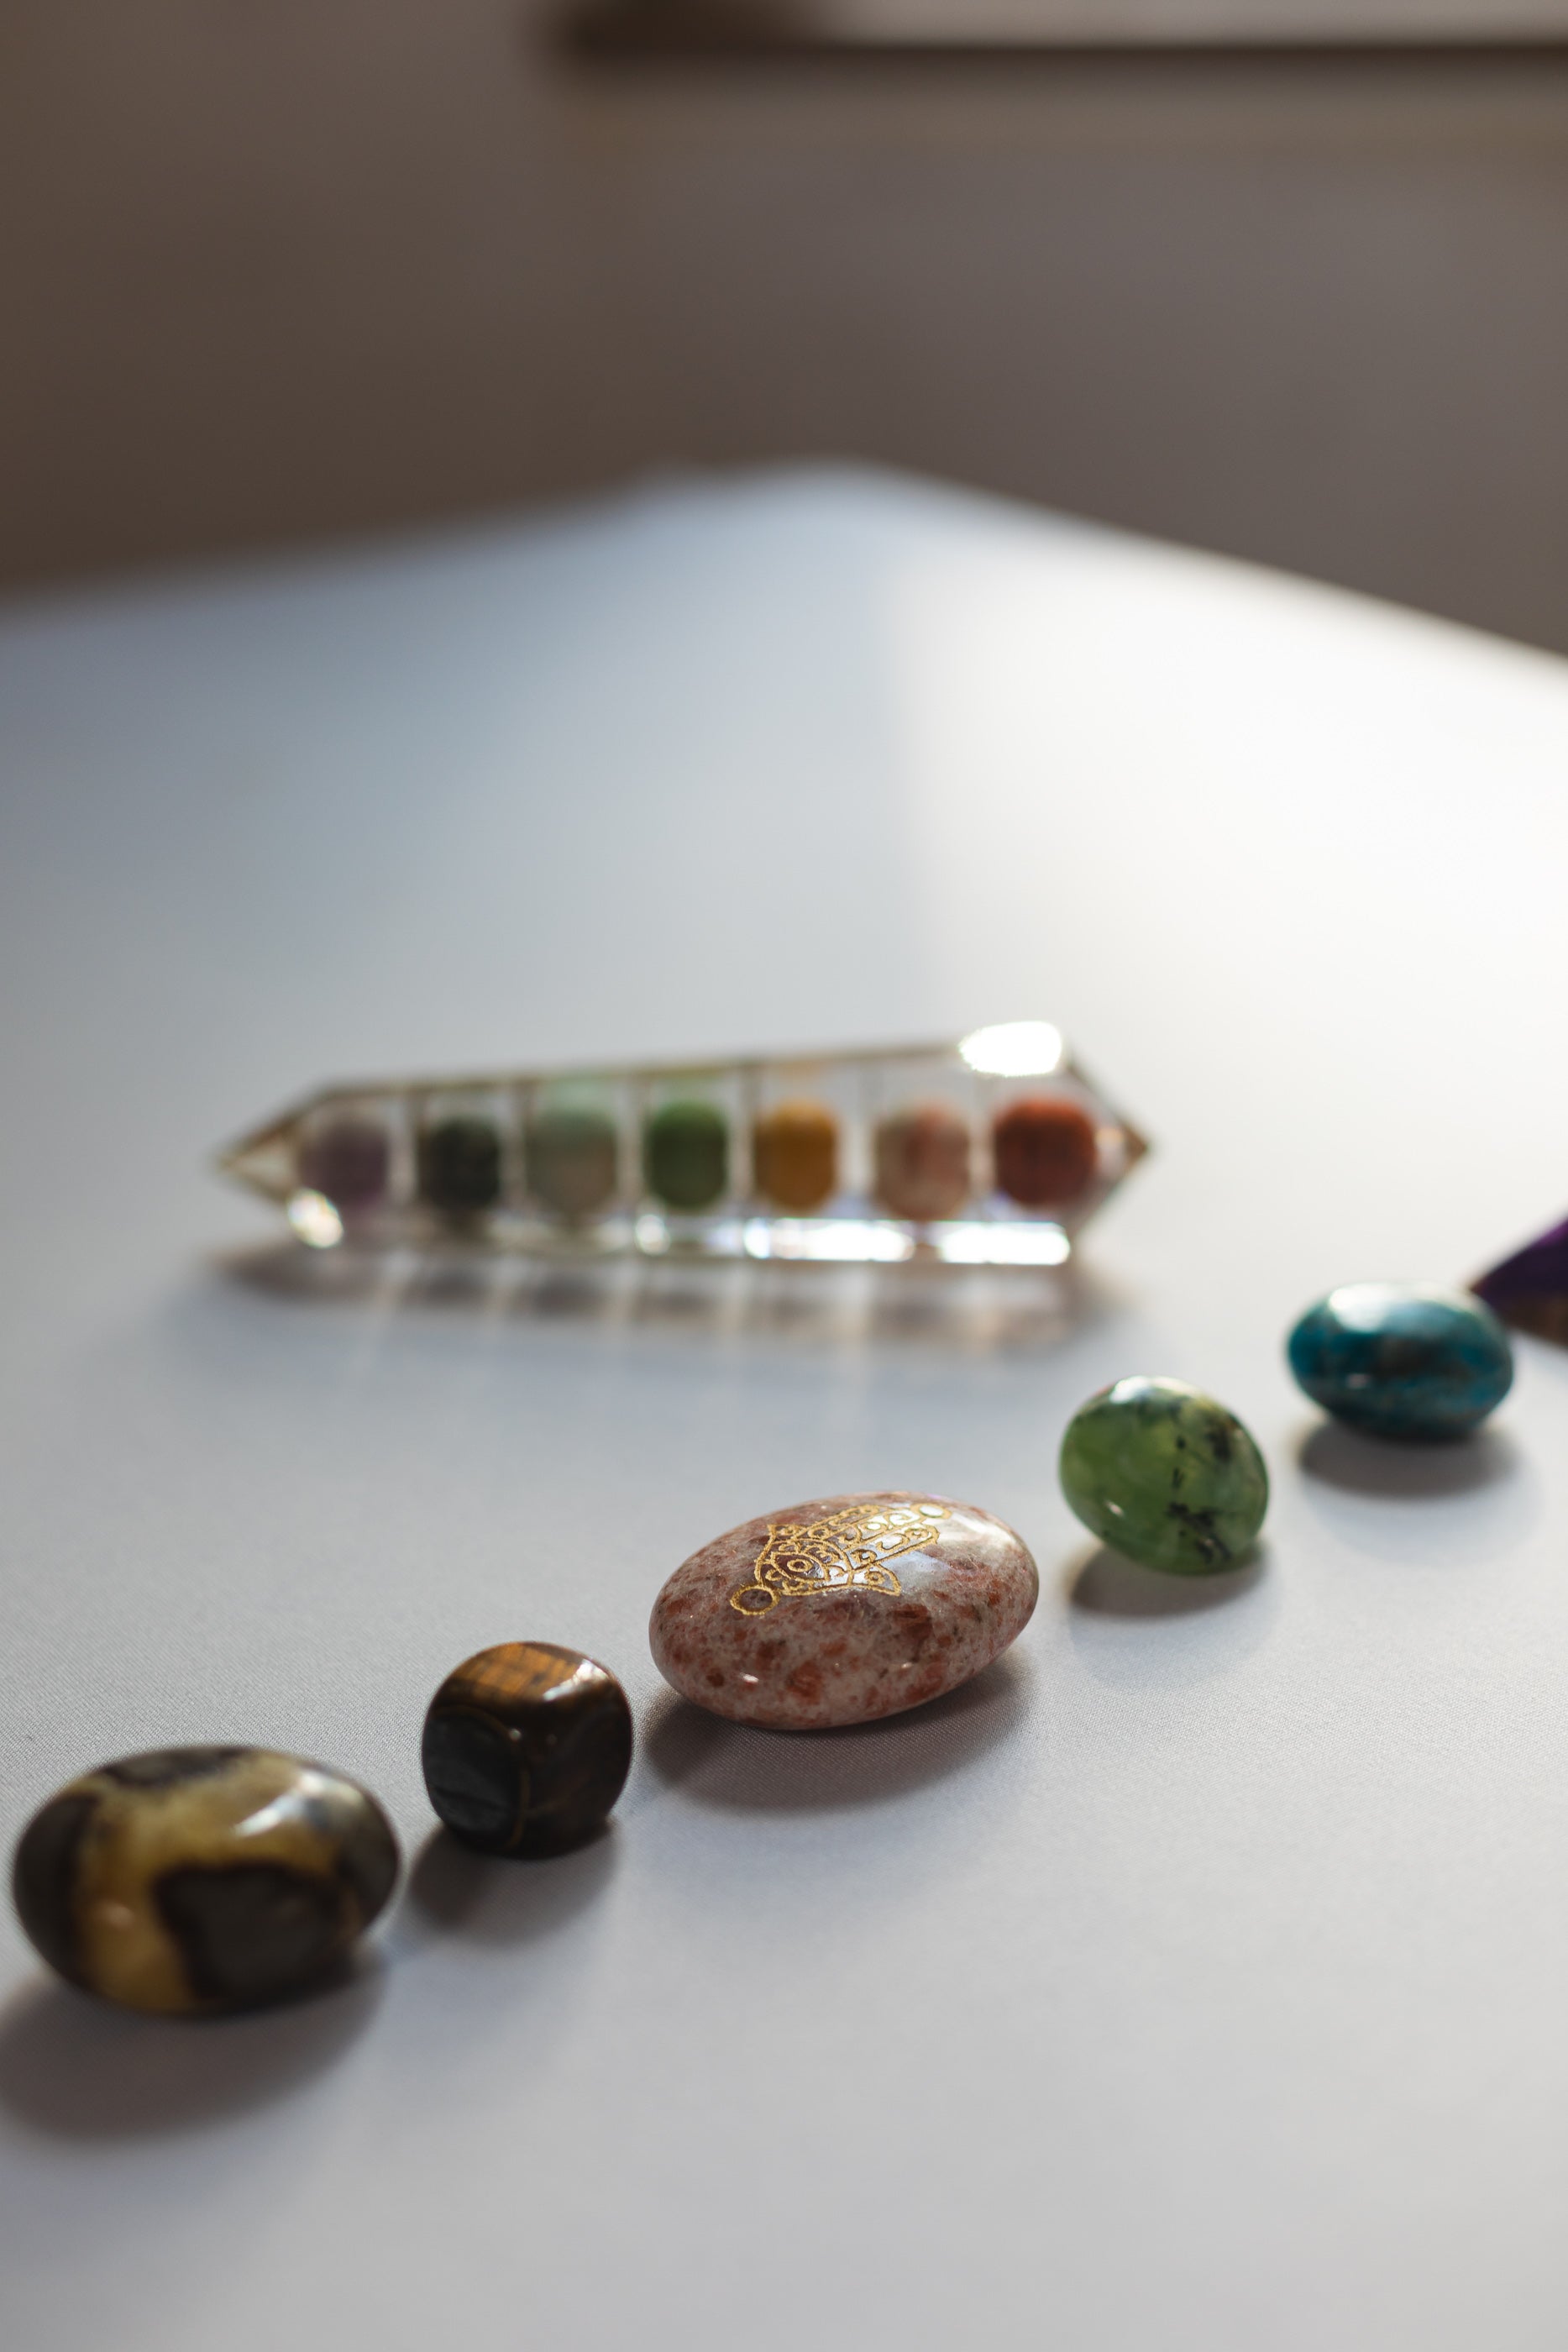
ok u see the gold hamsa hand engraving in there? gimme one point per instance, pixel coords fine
(852, 1546)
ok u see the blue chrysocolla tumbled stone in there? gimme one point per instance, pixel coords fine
(1403, 1358)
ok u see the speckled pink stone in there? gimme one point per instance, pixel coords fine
(843, 1610)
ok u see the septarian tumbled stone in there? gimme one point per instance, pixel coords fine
(525, 1747)
(1165, 1474)
(842, 1610)
(1403, 1358)
(202, 1879)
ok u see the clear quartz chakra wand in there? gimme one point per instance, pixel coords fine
(992, 1150)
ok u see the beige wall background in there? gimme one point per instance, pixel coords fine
(278, 269)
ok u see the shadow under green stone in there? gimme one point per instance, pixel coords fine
(1109, 1584)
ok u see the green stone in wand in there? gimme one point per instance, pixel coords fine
(685, 1155)
(1165, 1474)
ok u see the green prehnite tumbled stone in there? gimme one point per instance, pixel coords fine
(1165, 1474)
(685, 1155)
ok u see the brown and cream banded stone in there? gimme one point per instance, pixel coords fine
(202, 1879)
(842, 1610)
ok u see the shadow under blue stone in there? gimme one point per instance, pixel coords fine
(1406, 1468)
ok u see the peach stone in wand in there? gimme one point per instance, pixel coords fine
(842, 1610)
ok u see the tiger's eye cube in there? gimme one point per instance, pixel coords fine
(197, 1880)
(526, 1748)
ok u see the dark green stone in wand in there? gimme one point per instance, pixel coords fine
(460, 1166)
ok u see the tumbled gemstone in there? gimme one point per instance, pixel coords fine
(203, 1878)
(841, 1611)
(1403, 1358)
(922, 1162)
(526, 1748)
(685, 1155)
(573, 1156)
(1045, 1151)
(1165, 1474)
(795, 1155)
(346, 1161)
(460, 1166)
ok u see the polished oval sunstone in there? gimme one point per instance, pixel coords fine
(202, 1879)
(842, 1610)
(1403, 1358)
(525, 1748)
(1165, 1474)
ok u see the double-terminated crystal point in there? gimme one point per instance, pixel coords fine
(1529, 1290)
(991, 1150)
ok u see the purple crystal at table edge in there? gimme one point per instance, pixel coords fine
(1529, 1290)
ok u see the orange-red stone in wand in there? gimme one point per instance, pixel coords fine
(842, 1610)
(1045, 1151)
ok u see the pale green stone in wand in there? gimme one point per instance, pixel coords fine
(1165, 1474)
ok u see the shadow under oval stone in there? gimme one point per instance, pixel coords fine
(1409, 1469)
(74, 2068)
(740, 1767)
(1452, 1505)
(1109, 1584)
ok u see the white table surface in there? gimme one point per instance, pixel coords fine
(1199, 1977)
